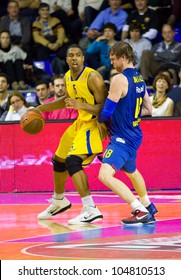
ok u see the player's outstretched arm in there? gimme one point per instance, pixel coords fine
(53, 105)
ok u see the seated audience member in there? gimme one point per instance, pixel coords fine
(162, 56)
(42, 91)
(58, 87)
(49, 35)
(12, 59)
(97, 54)
(148, 18)
(175, 92)
(169, 74)
(87, 12)
(162, 106)
(127, 5)
(138, 43)
(177, 110)
(17, 106)
(113, 14)
(29, 8)
(4, 85)
(19, 28)
(63, 10)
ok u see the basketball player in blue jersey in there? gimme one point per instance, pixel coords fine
(82, 141)
(127, 101)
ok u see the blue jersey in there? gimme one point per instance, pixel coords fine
(125, 123)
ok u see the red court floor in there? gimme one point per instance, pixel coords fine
(23, 237)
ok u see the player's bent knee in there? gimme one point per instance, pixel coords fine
(73, 164)
(58, 166)
(102, 176)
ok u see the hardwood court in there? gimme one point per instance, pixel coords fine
(23, 237)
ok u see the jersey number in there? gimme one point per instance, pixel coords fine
(108, 153)
(138, 106)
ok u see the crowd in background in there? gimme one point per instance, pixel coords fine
(35, 30)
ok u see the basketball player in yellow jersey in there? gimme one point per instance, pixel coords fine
(81, 142)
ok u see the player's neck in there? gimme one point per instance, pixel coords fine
(128, 65)
(76, 73)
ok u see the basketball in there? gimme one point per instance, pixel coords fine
(32, 122)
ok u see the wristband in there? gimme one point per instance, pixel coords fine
(107, 111)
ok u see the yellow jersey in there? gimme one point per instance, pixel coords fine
(79, 90)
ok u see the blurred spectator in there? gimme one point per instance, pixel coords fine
(162, 56)
(177, 110)
(127, 5)
(19, 28)
(49, 35)
(4, 85)
(138, 43)
(113, 14)
(58, 86)
(148, 18)
(169, 74)
(97, 54)
(42, 91)
(11, 60)
(65, 5)
(88, 10)
(63, 10)
(29, 8)
(175, 13)
(17, 106)
(162, 106)
(175, 93)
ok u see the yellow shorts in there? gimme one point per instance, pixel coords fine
(81, 138)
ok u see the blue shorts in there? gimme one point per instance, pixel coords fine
(120, 156)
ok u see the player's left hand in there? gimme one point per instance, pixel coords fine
(72, 103)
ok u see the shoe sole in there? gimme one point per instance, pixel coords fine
(139, 224)
(93, 220)
(60, 211)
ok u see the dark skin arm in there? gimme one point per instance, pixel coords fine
(96, 86)
(57, 104)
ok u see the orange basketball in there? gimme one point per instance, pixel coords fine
(32, 122)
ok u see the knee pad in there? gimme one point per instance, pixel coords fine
(73, 164)
(58, 166)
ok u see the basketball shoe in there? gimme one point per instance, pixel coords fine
(89, 214)
(57, 206)
(139, 218)
(152, 209)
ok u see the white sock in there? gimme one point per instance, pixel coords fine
(87, 201)
(58, 195)
(136, 205)
(145, 200)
